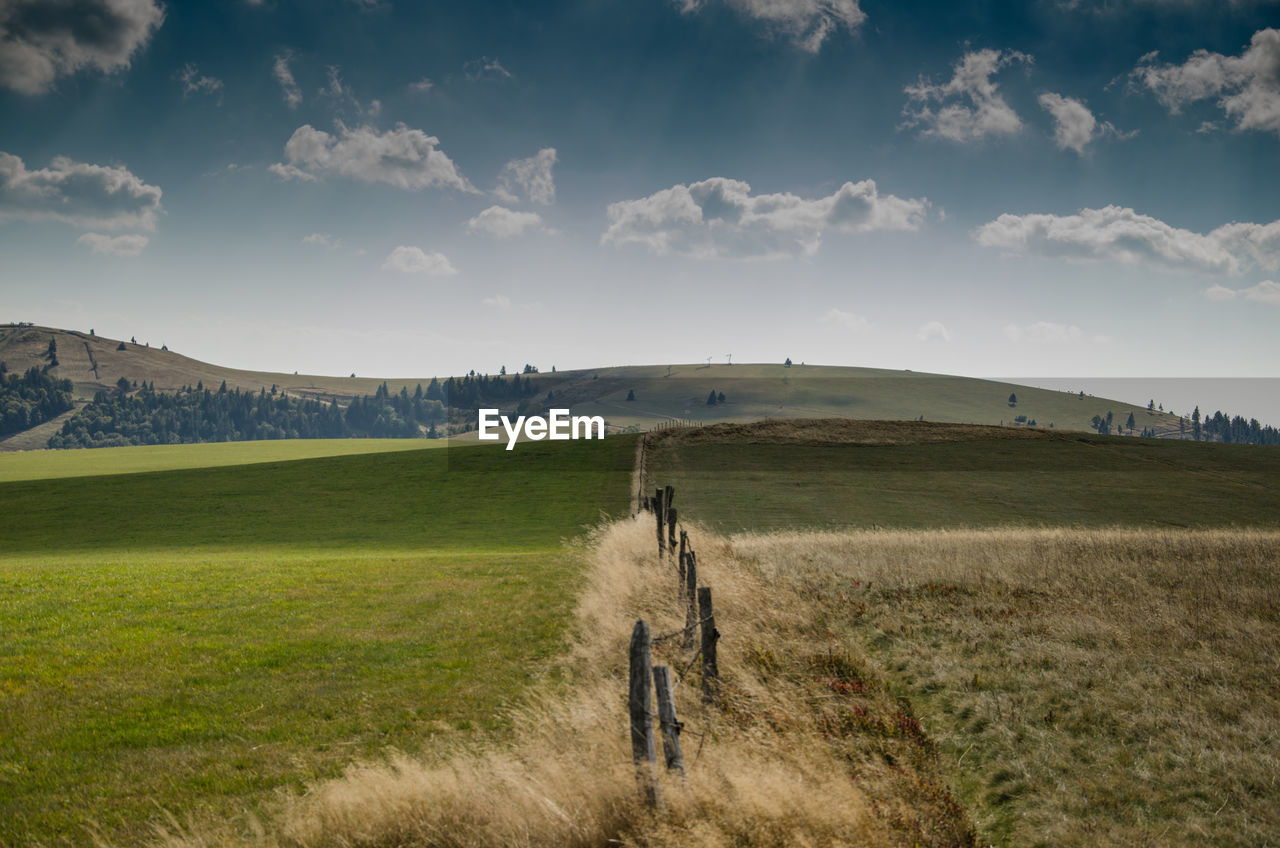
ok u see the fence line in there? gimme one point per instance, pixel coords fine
(699, 637)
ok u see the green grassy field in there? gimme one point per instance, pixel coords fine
(44, 465)
(991, 477)
(193, 639)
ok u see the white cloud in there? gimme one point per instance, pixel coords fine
(422, 86)
(1266, 291)
(529, 177)
(500, 222)
(806, 22)
(497, 301)
(403, 157)
(128, 245)
(322, 240)
(413, 260)
(719, 218)
(1247, 86)
(1122, 235)
(41, 40)
(986, 114)
(284, 76)
(336, 89)
(1258, 244)
(848, 320)
(193, 82)
(485, 69)
(77, 193)
(933, 331)
(1074, 126)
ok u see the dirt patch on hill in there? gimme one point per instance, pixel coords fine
(840, 431)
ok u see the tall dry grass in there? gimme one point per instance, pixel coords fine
(1092, 688)
(806, 748)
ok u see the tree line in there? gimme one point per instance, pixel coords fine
(1232, 430)
(134, 414)
(30, 399)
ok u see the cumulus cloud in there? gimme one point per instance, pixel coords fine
(283, 75)
(128, 245)
(501, 222)
(422, 86)
(1267, 291)
(806, 22)
(848, 320)
(497, 301)
(322, 240)
(193, 82)
(402, 157)
(1122, 235)
(1247, 86)
(933, 331)
(970, 106)
(530, 178)
(77, 193)
(1074, 126)
(41, 40)
(485, 69)
(413, 260)
(719, 218)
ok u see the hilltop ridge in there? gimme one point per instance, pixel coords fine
(660, 394)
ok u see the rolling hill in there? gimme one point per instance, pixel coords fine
(662, 393)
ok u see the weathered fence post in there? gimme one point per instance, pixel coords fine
(684, 555)
(660, 512)
(667, 719)
(710, 672)
(691, 592)
(672, 517)
(643, 752)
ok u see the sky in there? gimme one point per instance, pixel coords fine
(1063, 188)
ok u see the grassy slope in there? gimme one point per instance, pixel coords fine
(44, 465)
(752, 391)
(988, 476)
(1086, 686)
(194, 638)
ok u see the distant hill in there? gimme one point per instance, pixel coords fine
(662, 393)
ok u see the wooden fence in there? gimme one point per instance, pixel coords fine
(698, 636)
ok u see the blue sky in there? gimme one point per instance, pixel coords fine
(1085, 188)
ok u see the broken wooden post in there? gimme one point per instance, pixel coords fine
(643, 752)
(667, 719)
(710, 673)
(660, 512)
(691, 590)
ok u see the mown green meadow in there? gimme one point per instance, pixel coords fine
(44, 465)
(193, 640)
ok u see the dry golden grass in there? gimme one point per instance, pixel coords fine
(1089, 687)
(1079, 687)
(806, 748)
